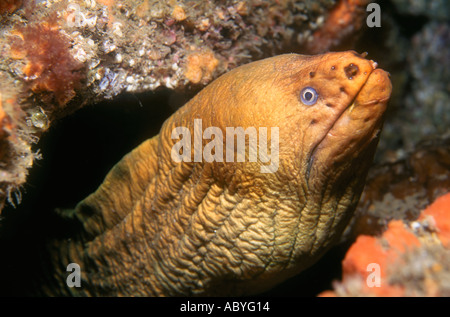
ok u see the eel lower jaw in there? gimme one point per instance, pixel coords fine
(327, 134)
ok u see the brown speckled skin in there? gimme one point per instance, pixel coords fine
(160, 228)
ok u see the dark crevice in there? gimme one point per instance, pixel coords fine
(78, 151)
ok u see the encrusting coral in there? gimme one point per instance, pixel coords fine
(410, 258)
(49, 70)
(9, 6)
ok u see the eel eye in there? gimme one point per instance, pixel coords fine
(309, 96)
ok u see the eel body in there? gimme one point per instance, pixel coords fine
(159, 226)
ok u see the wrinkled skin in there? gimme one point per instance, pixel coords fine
(161, 228)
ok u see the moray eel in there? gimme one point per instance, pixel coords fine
(161, 227)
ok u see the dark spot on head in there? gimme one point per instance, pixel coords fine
(329, 105)
(342, 89)
(312, 74)
(367, 119)
(313, 121)
(43, 45)
(351, 71)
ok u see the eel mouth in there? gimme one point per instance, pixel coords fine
(357, 124)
